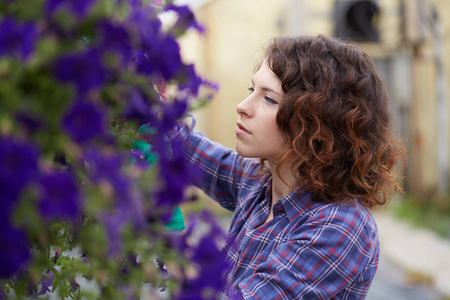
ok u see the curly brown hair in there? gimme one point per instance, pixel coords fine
(336, 119)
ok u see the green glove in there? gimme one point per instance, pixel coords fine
(177, 222)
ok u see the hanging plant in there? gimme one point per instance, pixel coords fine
(83, 215)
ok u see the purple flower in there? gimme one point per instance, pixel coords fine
(164, 275)
(141, 61)
(134, 209)
(84, 69)
(115, 38)
(16, 38)
(108, 167)
(171, 113)
(46, 282)
(103, 165)
(60, 197)
(216, 229)
(74, 285)
(137, 157)
(174, 171)
(164, 56)
(212, 264)
(114, 224)
(158, 53)
(186, 18)
(18, 166)
(207, 258)
(57, 254)
(128, 209)
(139, 107)
(15, 251)
(170, 196)
(176, 175)
(142, 21)
(84, 121)
(159, 56)
(131, 261)
(15, 247)
(189, 79)
(77, 7)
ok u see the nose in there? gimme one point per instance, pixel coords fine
(243, 108)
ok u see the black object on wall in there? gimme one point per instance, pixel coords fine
(356, 20)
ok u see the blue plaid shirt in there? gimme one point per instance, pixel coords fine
(309, 250)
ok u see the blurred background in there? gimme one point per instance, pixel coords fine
(409, 41)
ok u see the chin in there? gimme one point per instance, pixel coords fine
(245, 153)
(240, 151)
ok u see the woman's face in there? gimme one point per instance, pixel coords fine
(257, 134)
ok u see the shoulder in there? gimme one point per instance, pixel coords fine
(350, 211)
(348, 221)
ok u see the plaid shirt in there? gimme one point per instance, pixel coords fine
(309, 250)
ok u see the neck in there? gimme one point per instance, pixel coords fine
(282, 187)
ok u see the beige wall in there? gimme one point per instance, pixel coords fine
(237, 31)
(424, 142)
(227, 54)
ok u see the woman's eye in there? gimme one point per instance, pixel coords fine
(270, 100)
(251, 89)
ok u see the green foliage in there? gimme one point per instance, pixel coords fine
(424, 213)
(72, 97)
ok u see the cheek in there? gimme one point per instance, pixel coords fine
(282, 137)
(275, 135)
(274, 127)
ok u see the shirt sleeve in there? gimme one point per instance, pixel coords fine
(329, 253)
(221, 175)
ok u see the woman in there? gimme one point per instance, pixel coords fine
(314, 152)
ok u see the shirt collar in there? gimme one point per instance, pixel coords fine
(298, 203)
(294, 204)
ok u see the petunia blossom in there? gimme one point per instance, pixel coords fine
(46, 282)
(141, 21)
(139, 107)
(18, 168)
(159, 57)
(84, 121)
(158, 53)
(15, 251)
(189, 79)
(79, 8)
(60, 197)
(115, 39)
(18, 165)
(107, 167)
(171, 113)
(17, 39)
(186, 18)
(84, 69)
(164, 56)
(103, 165)
(210, 262)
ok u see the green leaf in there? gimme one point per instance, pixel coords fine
(55, 284)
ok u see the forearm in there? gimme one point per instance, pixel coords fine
(217, 164)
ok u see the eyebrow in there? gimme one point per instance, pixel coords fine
(266, 89)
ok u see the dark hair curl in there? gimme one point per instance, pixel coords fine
(336, 120)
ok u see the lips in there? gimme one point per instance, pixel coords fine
(241, 129)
